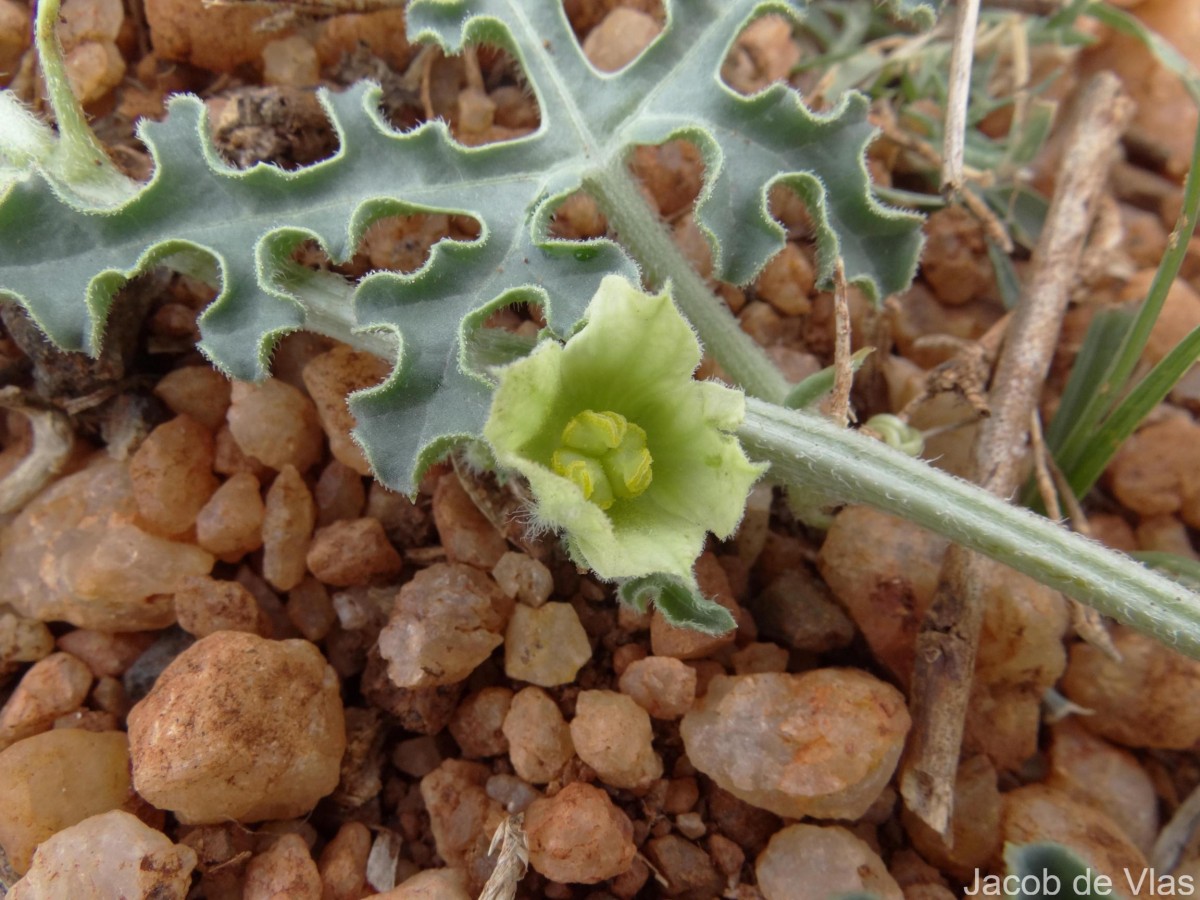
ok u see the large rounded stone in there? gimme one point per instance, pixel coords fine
(822, 744)
(239, 727)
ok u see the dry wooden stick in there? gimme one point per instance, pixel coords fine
(838, 407)
(949, 638)
(965, 22)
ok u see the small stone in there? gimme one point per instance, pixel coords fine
(787, 282)
(759, 657)
(446, 621)
(750, 826)
(330, 378)
(1092, 771)
(288, 518)
(276, 424)
(539, 741)
(688, 870)
(205, 605)
(514, 793)
(1145, 700)
(417, 756)
(339, 494)
(217, 39)
(310, 609)
(93, 69)
(663, 686)
(291, 62)
(14, 38)
(72, 555)
(797, 609)
(22, 641)
(432, 884)
(619, 39)
(239, 727)
(974, 823)
(612, 734)
(352, 551)
(1155, 471)
(682, 795)
(284, 869)
(578, 836)
(687, 643)
(52, 687)
(230, 460)
(113, 854)
(813, 862)
(462, 816)
(172, 475)
(200, 392)
(56, 779)
(1037, 813)
(546, 646)
(477, 725)
(343, 863)
(821, 744)
(231, 523)
(104, 653)
(524, 578)
(727, 855)
(466, 533)
(141, 675)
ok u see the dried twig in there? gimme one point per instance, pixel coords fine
(965, 22)
(1052, 484)
(949, 638)
(838, 405)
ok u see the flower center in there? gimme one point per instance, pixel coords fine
(605, 456)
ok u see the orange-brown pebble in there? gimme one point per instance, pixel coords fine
(52, 687)
(1145, 700)
(352, 551)
(200, 392)
(663, 686)
(239, 727)
(539, 740)
(343, 863)
(787, 282)
(329, 378)
(465, 532)
(310, 609)
(105, 653)
(276, 424)
(579, 836)
(205, 605)
(288, 518)
(478, 722)
(339, 494)
(231, 523)
(284, 869)
(52, 780)
(172, 475)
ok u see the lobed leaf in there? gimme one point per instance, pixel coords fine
(241, 228)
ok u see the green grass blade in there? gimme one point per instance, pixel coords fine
(1124, 420)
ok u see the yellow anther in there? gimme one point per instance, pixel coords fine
(605, 456)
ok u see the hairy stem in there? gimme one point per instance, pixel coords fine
(642, 232)
(840, 466)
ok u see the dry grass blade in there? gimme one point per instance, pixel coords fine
(513, 861)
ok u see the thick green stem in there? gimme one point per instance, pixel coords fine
(836, 465)
(642, 232)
